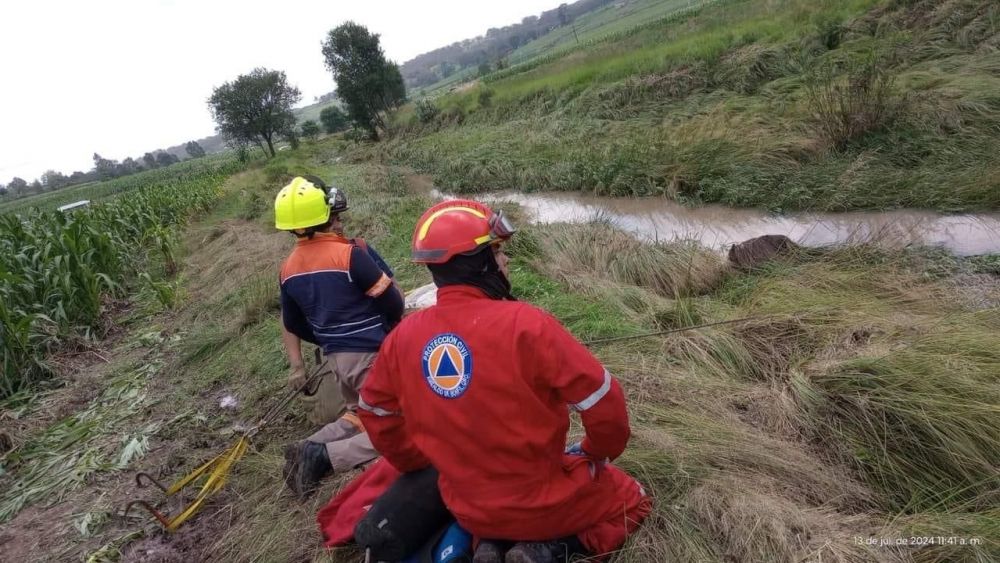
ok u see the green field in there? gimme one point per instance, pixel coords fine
(601, 23)
(99, 191)
(60, 270)
(591, 27)
(311, 112)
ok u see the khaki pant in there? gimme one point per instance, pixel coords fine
(344, 373)
(346, 441)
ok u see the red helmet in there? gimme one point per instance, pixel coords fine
(458, 226)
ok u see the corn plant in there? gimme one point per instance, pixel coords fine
(58, 271)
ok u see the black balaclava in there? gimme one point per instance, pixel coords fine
(479, 270)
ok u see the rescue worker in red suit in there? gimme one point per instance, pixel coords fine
(481, 385)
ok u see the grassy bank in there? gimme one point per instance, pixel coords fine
(788, 104)
(861, 404)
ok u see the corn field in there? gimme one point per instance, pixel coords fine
(58, 271)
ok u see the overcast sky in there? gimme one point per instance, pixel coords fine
(124, 77)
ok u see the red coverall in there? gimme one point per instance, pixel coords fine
(482, 390)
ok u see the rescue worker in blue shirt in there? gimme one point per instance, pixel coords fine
(339, 294)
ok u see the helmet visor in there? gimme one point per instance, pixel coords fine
(501, 227)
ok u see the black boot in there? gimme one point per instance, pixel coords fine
(556, 551)
(310, 466)
(489, 551)
(291, 469)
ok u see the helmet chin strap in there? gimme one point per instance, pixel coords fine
(479, 270)
(336, 224)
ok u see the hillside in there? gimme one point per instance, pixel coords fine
(586, 23)
(464, 57)
(216, 144)
(787, 104)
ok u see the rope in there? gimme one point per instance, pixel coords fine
(216, 470)
(273, 412)
(674, 330)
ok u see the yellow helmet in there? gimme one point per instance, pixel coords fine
(300, 205)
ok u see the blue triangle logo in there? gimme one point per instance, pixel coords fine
(446, 367)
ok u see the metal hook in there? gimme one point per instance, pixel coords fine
(140, 484)
(156, 513)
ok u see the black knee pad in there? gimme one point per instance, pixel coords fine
(404, 518)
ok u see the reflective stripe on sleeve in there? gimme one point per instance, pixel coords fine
(374, 410)
(380, 286)
(594, 397)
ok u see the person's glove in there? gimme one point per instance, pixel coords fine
(297, 378)
(596, 466)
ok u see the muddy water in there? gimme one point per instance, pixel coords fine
(718, 226)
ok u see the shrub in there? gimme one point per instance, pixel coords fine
(310, 129)
(426, 111)
(356, 135)
(485, 97)
(846, 109)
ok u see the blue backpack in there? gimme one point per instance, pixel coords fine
(451, 545)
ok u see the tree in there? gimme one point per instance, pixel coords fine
(36, 186)
(129, 166)
(292, 137)
(328, 97)
(333, 119)
(3, 190)
(368, 84)
(310, 129)
(150, 160)
(53, 180)
(255, 108)
(17, 186)
(105, 168)
(165, 159)
(563, 14)
(194, 150)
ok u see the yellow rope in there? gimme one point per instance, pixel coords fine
(220, 467)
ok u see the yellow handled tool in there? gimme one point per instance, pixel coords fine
(216, 470)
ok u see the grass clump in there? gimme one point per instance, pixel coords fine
(920, 422)
(848, 110)
(582, 255)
